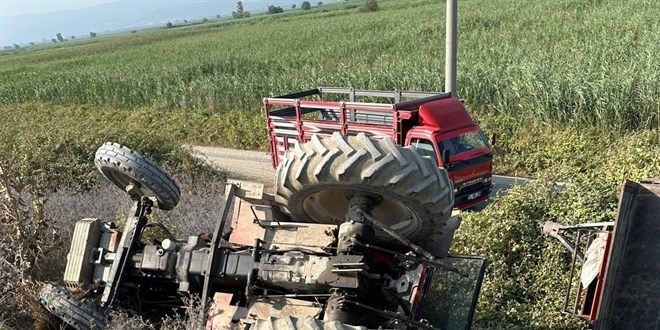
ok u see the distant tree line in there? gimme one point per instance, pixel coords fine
(368, 5)
(240, 11)
(275, 9)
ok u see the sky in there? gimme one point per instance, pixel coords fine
(23, 22)
(21, 7)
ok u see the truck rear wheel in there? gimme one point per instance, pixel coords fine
(123, 167)
(316, 180)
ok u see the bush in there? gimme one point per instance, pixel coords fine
(169, 25)
(306, 5)
(240, 12)
(275, 9)
(524, 282)
(369, 5)
(29, 250)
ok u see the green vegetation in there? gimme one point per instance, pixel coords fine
(569, 87)
(55, 145)
(567, 61)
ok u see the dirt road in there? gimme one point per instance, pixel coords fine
(239, 164)
(257, 166)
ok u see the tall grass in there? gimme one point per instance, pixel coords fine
(588, 62)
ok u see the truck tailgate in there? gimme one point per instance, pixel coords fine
(631, 292)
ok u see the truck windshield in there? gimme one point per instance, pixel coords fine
(463, 143)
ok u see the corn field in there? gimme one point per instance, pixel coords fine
(588, 62)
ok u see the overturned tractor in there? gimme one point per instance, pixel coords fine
(356, 236)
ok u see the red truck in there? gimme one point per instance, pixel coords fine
(436, 124)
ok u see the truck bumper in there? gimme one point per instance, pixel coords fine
(467, 198)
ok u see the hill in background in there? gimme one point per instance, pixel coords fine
(119, 15)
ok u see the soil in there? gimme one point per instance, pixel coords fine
(240, 164)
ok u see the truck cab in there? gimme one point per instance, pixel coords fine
(448, 134)
(436, 124)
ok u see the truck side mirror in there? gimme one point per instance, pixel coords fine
(493, 139)
(446, 155)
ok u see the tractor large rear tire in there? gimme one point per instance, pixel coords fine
(316, 180)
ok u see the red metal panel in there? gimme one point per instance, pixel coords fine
(299, 123)
(599, 284)
(304, 128)
(276, 101)
(320, 105)
(271, 136)
(342, 118)
(382, 107)
(446, 114)
(244, 228)
(222, 315)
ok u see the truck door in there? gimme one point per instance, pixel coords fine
(425, 148)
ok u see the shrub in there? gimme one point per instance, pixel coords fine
(524, 282)
(240, 12)
(306, 5)
(369, 5)
(29, 249)
(275, 9)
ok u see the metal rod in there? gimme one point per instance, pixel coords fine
(405, 320)
(127, 244)
(451, 46)
(230, 191)
(570, 282)
(475, 294)
(433, 263)
(579, 287)
(416, 248)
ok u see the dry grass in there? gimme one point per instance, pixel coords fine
(36, 229)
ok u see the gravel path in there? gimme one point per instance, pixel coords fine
(239, 164)
(257, 166)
